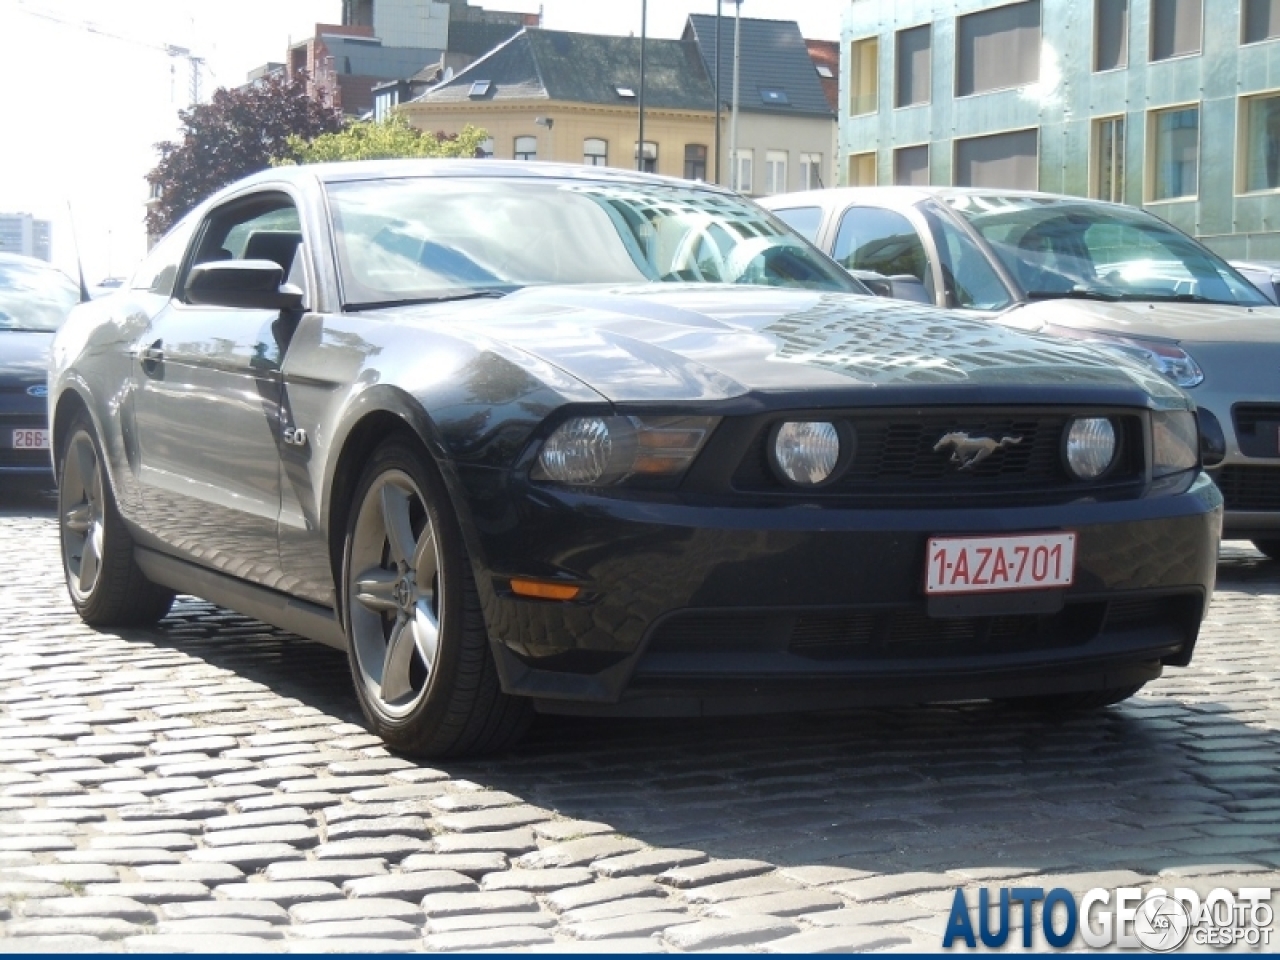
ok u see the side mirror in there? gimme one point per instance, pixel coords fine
(250, 284)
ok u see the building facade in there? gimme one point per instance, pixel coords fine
(22, 233)
(574, 98)
(1172, 105)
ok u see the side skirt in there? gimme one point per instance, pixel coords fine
(288, 613)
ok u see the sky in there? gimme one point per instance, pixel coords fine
(87, 89)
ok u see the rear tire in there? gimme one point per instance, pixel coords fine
(417, 642)
(1061, 703)
(1269, 548)
(106, 586)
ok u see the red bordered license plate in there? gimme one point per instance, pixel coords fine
(31, 439)
(1037, 561)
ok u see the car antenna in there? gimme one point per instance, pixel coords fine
(75, 242)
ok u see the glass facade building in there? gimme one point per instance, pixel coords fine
(1173, 105)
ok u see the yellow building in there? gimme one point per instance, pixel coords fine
(574, 98)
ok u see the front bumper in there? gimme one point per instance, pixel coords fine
(694, 607)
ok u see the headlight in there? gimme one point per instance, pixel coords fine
(806, 451)
(1175, 442)
(1173, 363)
(1091, 447)
(588, 451)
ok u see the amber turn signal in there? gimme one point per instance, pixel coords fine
(544, 590)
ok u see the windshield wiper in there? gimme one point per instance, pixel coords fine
(416, 301)
(1182, 298)
(1075, 293)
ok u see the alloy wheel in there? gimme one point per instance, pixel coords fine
(81, 507)
(394, 595)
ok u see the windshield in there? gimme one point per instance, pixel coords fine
(425, 238)
(34, 295)
(1070, 248)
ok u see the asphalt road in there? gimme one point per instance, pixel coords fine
(208, 786)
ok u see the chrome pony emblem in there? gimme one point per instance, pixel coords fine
(37, 390)
(966, 451)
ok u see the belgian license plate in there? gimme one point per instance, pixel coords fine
(1039, 561)
(31, 439)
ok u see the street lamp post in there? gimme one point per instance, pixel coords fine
(719, 5)
(734, 166)
(644, 32)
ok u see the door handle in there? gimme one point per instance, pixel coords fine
(152, 359)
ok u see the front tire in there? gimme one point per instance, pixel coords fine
(106, 586)
(417, 642)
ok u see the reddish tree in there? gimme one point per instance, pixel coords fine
(238, 132)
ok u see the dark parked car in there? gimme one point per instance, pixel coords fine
(1117, 277)
(35, 298)
(523, 436)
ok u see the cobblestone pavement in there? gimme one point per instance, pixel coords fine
(208, 786)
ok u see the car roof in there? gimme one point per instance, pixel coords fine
(903, 197)
(463, 168)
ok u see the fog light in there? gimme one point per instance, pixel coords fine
(806, 451)
(1091, 447)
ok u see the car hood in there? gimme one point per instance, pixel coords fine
(707, 342)
(1184, 322)
(24, 356)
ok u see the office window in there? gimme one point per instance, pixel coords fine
(742, 171)
(775, 171)
(1175, 135)
(998, 48)
(1108, 159)
(695, 161)
(1110, 34)
(1008, 160)
(810, 171)
(1261, 20)
(1175, 28)
(526, 148)
(650, 162)
(864, 76)
(911, 166)
(595, 152)
(485, 150)
(1262, 143)
(862, 169)
(915, 47)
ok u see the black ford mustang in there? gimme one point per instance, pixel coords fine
(527, 436)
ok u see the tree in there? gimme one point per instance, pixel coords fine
(385, 139)
(238, 132)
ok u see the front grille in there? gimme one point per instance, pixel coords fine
(1249, 488)
(895, 456)
(1257, 428)
(907, 632)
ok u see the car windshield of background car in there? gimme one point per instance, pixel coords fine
(1057, 248)
(411, 239)
(34, 296)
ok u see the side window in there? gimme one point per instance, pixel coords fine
(803, 220)
(263, 227)
(971, 282)
(157, 273)
(884, 241)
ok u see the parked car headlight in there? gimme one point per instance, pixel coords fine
(587, 451)
(1171, 362)
(1175, 442)
(1090, 447)
(806, 451)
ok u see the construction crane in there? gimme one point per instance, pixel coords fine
(195, 63)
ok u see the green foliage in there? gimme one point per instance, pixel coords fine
(238, 132)
(382, 140)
